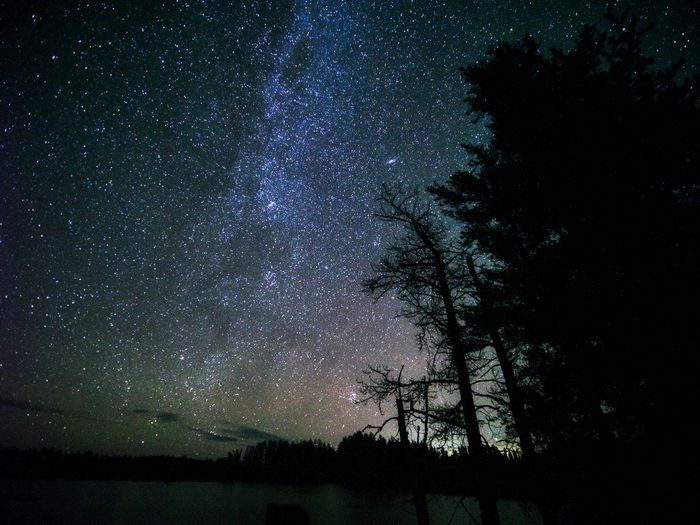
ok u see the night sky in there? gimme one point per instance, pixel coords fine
(186, 205)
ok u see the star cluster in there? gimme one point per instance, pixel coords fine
(186, 205)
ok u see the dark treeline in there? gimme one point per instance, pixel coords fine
(50, 463)
(360, 459)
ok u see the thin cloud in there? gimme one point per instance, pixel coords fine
(26, 405)
(249, 433)
(18, 404)
(212, 436)
(162, 416)
(167, 417)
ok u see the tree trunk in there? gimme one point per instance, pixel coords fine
(515, 396)
(427, 415)
(418, 493)
(485, 496)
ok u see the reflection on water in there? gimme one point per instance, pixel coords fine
(200, 503)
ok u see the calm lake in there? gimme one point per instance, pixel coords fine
(201, 503)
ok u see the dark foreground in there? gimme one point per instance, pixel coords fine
(361, 479)
(204, 503)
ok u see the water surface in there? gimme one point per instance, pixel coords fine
(209, 503)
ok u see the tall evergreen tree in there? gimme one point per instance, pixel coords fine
(585, 201)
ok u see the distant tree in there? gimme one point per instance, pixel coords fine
(290, 461)
(585, 203)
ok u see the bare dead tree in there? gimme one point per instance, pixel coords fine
(422, 268)
(385, 388)
(419, 268)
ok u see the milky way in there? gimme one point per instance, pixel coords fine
(187, 198)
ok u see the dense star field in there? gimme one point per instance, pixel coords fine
(186, 205)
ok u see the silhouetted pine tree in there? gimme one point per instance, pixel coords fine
(585, 204)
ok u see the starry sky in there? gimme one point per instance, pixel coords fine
(187, 193)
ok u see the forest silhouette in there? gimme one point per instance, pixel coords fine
(359, 459)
